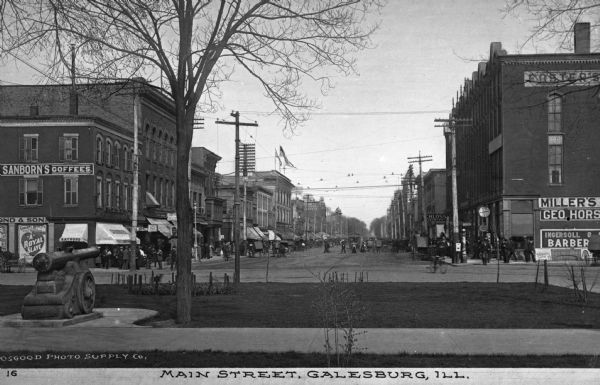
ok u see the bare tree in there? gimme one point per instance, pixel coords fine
(554, 19)
(195, 45)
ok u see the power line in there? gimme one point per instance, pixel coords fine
(358, 113)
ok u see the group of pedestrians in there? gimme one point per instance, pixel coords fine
(148, 256)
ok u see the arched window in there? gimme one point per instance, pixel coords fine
(147, 141)
(108, 154)
(159, 148)
(118, 193)
(99, 195)
(99, 147)
(117, 155)
(125, 158)
(108, 192)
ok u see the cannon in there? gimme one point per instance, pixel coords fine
(64, 287)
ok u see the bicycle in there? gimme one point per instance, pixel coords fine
(437, 264)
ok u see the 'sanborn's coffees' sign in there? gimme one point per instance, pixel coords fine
(30, 169)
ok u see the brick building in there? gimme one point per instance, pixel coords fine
(435, 202)
(67, 165)
(529, 152)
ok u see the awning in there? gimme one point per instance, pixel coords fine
(151, 200)
(164, 226)
(260, 233)
(75, 232)
(112, 234)
(252, 234)
(273, 236)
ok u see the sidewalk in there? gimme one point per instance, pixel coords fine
(116, 333)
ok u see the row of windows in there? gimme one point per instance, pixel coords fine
(31, 191)
(162, 189)
(160, 147)
(68, 147)
(113, 194)
(113, 155)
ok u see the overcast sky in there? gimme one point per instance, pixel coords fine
(370, 123)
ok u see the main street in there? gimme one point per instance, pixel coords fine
(312, 264)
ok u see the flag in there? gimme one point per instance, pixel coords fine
(278, 158)
(285, 159)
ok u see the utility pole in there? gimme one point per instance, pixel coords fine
(449, 126)
(135, 192)
(236, 193)
(420, 159)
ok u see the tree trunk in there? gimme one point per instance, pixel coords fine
(184, 124)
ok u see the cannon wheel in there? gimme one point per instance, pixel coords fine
(86, 293)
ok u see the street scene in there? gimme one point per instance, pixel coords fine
(364, 183)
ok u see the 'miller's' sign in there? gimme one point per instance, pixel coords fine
(582, 202)
(32, 169)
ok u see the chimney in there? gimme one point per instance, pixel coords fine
(582, 38)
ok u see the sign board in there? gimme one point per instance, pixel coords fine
(569, 202)
(543, 254)
(32, 169)
(585, 214)
(32, 240)
(566, 238)
(483, 228)
(578, 78)
(457, 246)
(4, 237)
(172, 217)
(23, 220)
(152, 228)
(436, 218)
(484, 212)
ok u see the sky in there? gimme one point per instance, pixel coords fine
(370, 123)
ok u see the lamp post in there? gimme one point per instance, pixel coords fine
(195, 231)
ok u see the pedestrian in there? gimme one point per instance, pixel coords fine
(510, 250)
(529, 250)
(503, 251)
(159, 258)
(126, 254)
(173, 257)
(343, 244)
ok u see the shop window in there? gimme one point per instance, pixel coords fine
(68, 147)
(31, 191)
(28, 148)
(71, 187)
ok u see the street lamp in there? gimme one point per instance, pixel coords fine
(195, 232)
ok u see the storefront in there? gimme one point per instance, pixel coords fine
(26, 236)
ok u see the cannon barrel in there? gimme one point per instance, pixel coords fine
(44, 262)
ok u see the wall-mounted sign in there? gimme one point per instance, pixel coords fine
(23, 220)
(579, 78)
(172, 217)
(544, 254)
(569, 202)
(26, 169)
(32, 240)
(436, 218)
(570, 215)
(4, 237)
(564, 239)
(152, 228)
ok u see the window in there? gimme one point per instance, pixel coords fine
(147, 142)
(99, 191)
(125, 196)
(108, 154)
(68, 147)
(116, 161)
(99, 152)
(118, 195)
(31, 191)
(125, 158)
(554, 113)
(555, 158)
(71, 190)
(108, 198)
(28, 148)
(162, 192)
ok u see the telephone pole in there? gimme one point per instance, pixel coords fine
(449, 126)
(236, 193)
(420, 159)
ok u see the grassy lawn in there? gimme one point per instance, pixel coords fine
(386, 305)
